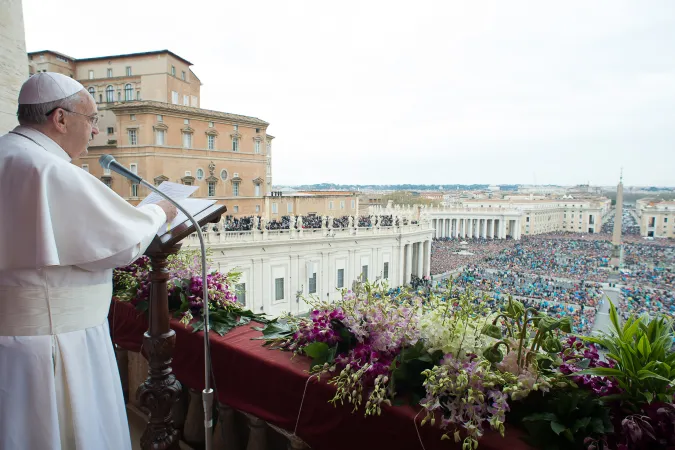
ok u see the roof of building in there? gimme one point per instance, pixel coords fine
(329, 193)
(52, 52)
(126, 55)
(141, 105)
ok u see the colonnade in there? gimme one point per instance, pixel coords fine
(416, 260)
(476, 227)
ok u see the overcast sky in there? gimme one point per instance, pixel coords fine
(415, 92)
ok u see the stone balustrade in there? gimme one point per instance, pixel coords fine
(216, 236)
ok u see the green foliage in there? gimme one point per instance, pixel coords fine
(320, 353)
(407, 370)
(643, 356)
(275, 332)
(223, 320)
(564, 418)
(526, 328)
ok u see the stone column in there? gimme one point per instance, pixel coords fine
(456, 228)
(491, 228)
(408, 263)
(427, 258)
(421, 256)
(13, 62)
(484, 228)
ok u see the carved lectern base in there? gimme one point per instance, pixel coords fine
(159, 393)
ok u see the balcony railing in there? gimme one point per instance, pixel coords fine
(233, 237)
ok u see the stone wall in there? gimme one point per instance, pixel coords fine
(13, 61)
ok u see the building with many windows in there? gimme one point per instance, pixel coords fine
(656, 217)
(150, 120)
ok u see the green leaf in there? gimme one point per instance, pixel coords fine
(545, 416)
(315, 349)
(581, 423)
(493, 331)
(648, 396)
(644, 374)
(557, 427)
(320, 353)
(643, 346)
(601, 372)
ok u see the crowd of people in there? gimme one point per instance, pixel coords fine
(640, 300)
(561, 272)
(576, 299)
(249, 223)
(629, 225)
(449, 255)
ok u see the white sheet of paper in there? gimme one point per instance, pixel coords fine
(174, 190)
(193, 206)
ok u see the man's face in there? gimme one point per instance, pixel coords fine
(80, 126)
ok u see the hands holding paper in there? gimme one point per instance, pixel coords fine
(169, 210)
(180, 193)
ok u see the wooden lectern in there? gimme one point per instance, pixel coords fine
(161, 389)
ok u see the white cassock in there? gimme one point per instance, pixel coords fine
(62, 231)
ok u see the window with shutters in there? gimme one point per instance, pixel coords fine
(187, 140)
(110, 73)
(160, 137)
(128, 93)
(312, 283)
(211, 141)
(341, 278)
(134, 190)
(240, 291)
(257, 147)
(132, 137)
(91, 74)
(235, 144)
(109, 94)
(128, 71)
(278, 289)
(174, 97)
(212, 188)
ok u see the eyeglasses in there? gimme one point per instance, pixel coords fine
(93, 119)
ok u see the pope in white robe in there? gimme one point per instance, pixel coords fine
(62, 231)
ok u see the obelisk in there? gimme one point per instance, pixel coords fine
(617, 249)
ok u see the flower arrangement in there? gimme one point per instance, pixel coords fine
(470, 367)
(185, 290)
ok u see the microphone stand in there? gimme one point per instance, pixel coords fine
(207, 393)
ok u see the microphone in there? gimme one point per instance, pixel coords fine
(109, 162)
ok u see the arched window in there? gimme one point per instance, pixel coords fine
(109, 94)
(92, 91)
(128, 93)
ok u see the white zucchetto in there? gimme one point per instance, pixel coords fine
(44, 87)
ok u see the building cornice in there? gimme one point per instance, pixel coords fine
(169, 109)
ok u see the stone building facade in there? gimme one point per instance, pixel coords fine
(656, 217)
